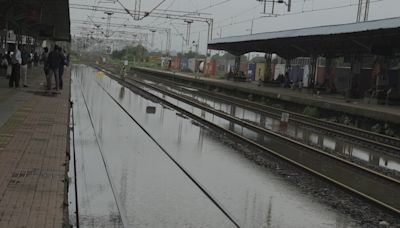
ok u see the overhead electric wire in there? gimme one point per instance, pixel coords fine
(285, 14)
(213, 5)
(163, 10)
(158, 5)
(126, 9)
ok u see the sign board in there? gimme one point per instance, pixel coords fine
(126, 62)
(285, 117)
(155, 58)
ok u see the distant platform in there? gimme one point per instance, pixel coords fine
(324, 101)
(33, 152)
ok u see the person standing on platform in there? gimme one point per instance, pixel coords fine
(35, 59)
(53, 63)
(43, 59)
(15, 71)
(3, 65)
(25, 57)
(63, 62)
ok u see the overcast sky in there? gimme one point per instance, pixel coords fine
(234, 17)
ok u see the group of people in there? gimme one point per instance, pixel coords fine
(18, 61)
(53, 63)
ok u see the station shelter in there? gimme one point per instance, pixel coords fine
(30, 22)
(357, 59)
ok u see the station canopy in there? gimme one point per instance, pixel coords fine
(41, 19)
(378, 37)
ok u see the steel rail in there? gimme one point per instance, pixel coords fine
(194, 180)
(355, 178)
(124, 221)
(382, 141)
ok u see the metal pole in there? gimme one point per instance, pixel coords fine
(251, 30)
(210, 33)
(5, 40)
(265, 6)
(366, 10)
(273, 6)
(360, 2)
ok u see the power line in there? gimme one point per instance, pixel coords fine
(164, 10)
(158, 5)
(214, 5)
(287, 14)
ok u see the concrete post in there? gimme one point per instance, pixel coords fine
(356, 62)
(329, 74)
(313, 71)
(268, 71)
(288, 64)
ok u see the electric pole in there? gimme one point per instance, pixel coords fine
(363, 10)
(288, 3)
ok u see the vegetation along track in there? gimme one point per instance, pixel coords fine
(372, 139)
(359, 180)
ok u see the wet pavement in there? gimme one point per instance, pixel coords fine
(124, 179)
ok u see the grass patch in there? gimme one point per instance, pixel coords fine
(312, 112)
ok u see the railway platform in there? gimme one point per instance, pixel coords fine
(33, 153)
(325, 101)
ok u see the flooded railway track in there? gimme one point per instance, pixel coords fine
(359, 180)
(368, 153)
(372, 139)
(371, 154)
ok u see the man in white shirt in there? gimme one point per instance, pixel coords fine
(16, 61)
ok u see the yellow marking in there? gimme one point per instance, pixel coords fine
(99, 74)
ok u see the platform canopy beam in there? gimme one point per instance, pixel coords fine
(379, 37)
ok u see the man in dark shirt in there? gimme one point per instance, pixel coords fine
(53, 64)
(43, 59)
(63, 61)
(16, 64)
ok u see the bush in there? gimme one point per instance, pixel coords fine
(311, 111)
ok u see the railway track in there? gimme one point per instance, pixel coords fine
(363, 182)
(372, 139)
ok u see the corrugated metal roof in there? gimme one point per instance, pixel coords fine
(390, 23)
(53, 20)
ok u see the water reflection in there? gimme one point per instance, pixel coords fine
(300, 133)
(121, 93)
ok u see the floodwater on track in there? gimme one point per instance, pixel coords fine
(303, 134)
(125, 180)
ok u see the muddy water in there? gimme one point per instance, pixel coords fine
(151, 192)
(299, 132)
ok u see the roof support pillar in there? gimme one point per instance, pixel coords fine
(313, 71)
(268, 71)
(288, 64)
(353, 90)
(330, 74)
(237, 65)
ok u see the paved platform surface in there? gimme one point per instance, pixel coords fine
(33, 152)
(330, 102)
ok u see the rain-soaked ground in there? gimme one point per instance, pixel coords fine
(125, 180)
